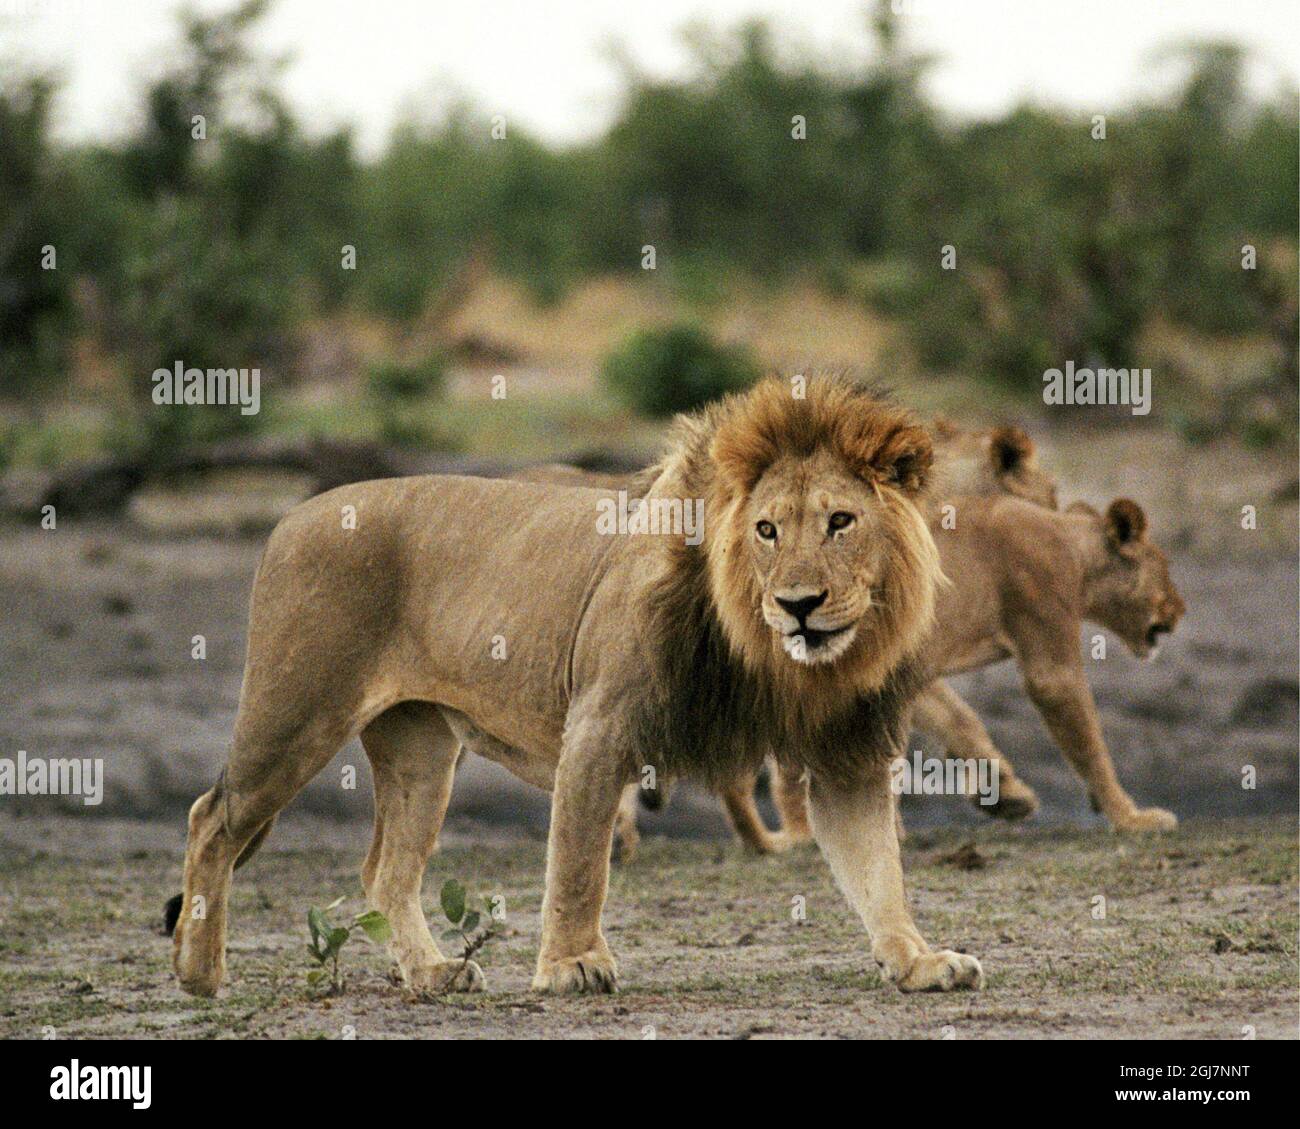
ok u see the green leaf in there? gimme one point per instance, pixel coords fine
(315, 976)
(336, 902)
(375, 925)
(318, 924)
(335, 939)
(453, 900)
(471, 922)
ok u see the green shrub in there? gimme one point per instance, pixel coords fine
(403, 382)
(675, 369)
(400, 392)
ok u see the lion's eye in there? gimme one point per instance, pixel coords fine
(766, 530)
(840, 520)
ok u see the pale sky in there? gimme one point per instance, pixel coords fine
(546, 64)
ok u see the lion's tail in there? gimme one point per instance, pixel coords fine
(172, 910)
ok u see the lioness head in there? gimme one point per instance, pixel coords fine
(819, 558)
(1131, 594)
(999, 460)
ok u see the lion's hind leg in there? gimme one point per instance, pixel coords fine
(268, 765)
(413, 756)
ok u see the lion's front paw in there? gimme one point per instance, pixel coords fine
(590, 972)
(942, 972)
(434, 980)
(1147, 819)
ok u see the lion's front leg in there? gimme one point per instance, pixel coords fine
(588, 784)
(854, 826)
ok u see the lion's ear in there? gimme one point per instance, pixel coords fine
(1009, 449)
(1125, 522)
(904, 459)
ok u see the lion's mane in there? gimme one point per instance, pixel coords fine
(722, 692)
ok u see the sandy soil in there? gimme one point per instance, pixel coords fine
(96, 642)
(1198, 940)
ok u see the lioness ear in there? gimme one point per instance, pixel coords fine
(1009, 449)
(1125, 522)
(904, 459)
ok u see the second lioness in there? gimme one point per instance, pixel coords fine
(1023, 581)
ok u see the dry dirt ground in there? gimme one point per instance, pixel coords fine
(96, 660)
(1198, 939)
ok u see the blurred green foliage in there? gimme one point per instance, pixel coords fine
(35, 304)
(402, 395)
(677, 368)
(216, 250)
(402, 382)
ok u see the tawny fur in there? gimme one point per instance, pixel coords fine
(384, 624)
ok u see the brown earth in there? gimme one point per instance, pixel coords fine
(96, 639)
(1082, 936)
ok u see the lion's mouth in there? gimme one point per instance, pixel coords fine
(1152, 640)
(814, 638)
(811, 645)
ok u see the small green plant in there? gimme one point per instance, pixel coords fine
(471, 928)
(675, 369)
(328, 939)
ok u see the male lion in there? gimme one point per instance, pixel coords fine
(1023, 581)
(793, 628)
(998, 460)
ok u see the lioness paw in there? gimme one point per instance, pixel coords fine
(590, 972)
(434, 980)
(1147, 819)
(942, 972)
(1016, 800)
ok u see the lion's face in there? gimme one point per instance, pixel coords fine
(817, 565)
(818, 549)
(1134, 596)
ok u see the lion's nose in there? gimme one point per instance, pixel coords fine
(802, 606)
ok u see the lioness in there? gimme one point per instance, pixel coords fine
(794, 628)
(995, 460)
(1023, 581)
